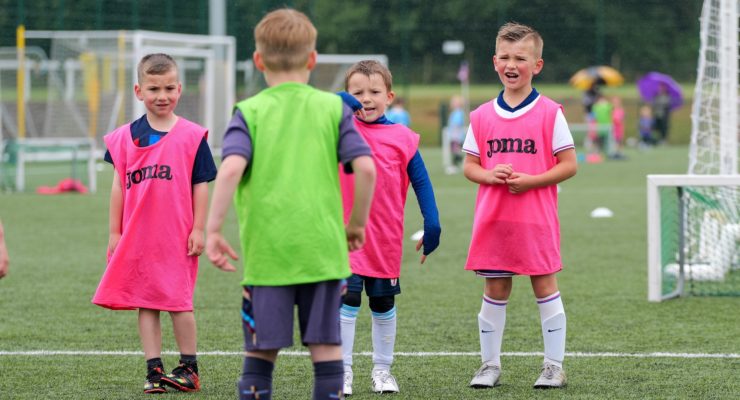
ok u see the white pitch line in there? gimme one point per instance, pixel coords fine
(42, 353)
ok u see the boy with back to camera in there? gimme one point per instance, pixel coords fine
(377, 266)
(158, 206)
(280, 155)
(518, 149)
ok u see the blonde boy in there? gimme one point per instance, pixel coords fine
(158, 205)
(518, 149)
(280, 157)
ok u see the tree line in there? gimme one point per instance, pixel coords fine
(635, 36)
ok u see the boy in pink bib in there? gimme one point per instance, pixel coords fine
(518, 148)
(157, 215)
(377, 266)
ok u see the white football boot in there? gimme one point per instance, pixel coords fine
(486, 377)
(552, 376)
(384, 382)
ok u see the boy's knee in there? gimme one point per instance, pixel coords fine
(352, 299)
(382, 304)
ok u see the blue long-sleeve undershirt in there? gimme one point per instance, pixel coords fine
(422, 185)
(419, 178)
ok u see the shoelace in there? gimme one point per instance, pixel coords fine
(383, 376)
(486, 370)
(155, 374)
(548, 371)
(181, 370)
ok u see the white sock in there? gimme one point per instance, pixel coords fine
(552, 316)
(347, 319)
(491, 323)
(384, 339)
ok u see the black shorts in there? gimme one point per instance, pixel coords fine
(374, 287)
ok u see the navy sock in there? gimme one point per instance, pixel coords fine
(256, 380)
(328, 379)
(190, 361)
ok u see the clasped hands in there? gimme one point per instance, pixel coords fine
(517, 182)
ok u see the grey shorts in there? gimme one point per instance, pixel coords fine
(268, 314)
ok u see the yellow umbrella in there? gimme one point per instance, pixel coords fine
(585, 78)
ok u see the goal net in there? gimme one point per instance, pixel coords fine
(693, 220)
(693, 235)
(714, 131)
(78, 85)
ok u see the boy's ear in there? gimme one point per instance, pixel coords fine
(391, 96)
(538, 66)
(257, 58)
(312, 60)
(137, 92)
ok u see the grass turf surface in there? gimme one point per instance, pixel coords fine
(57, 249)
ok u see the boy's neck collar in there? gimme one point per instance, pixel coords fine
(161, 124)
(380, 121)
(527, 101)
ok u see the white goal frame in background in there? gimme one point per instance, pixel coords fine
(253, 80)
(98, 69)
(655, 267)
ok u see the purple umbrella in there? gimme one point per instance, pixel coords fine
(649, 86)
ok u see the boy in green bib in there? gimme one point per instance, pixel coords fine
(281, 153)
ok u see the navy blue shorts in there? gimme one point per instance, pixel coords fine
(268, 314)
(374, 287)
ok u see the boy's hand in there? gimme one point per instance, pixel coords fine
(113, 240)
(500, 173)
(217, 250)
(430, 240)
(519, 182)
(355, 237)
(419, 245)
(195, 242)
(361, 114)
(354, 104)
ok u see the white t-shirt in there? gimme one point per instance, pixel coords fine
(561, 138)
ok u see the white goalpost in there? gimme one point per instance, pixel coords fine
(694, 219)
(74, 86)
(327, 75)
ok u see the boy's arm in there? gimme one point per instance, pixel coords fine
(115, 213)
(4, 259)
(474, 171)
(200, 208)
(566, 167)
(228, 177)
(364, 171)
(425, 196)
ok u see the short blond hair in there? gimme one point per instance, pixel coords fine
(285, 38)
(515, 32)
(367, 68)
(155, 64)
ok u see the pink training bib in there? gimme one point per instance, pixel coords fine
(393, 147)
(150, 267)
(516, 232)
